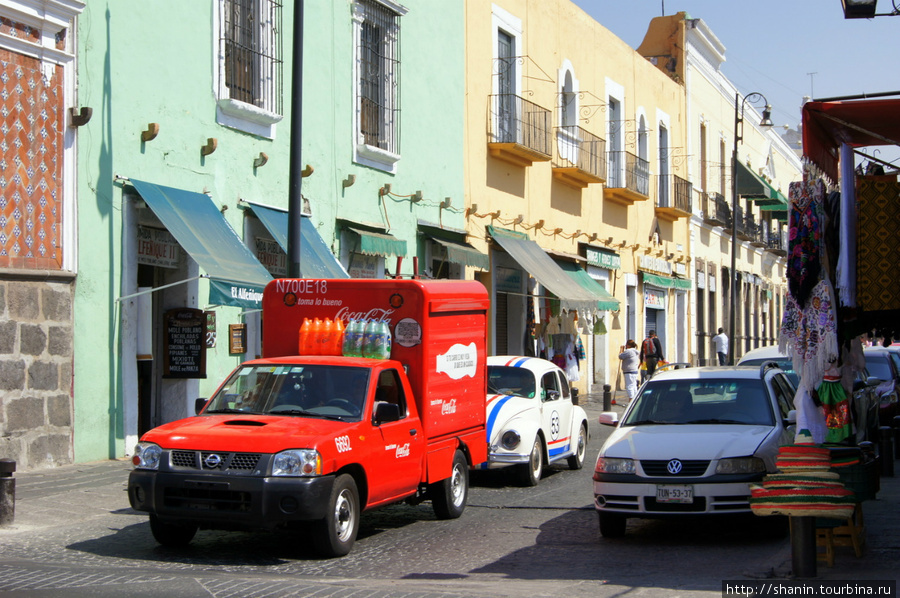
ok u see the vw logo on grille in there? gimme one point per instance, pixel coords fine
(674, 466)
(212, 461)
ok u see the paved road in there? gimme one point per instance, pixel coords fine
(75, 535)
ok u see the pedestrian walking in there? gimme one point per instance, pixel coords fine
(631, 363)
(721, 343)
(651, 352)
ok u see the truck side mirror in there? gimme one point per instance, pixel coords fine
(199, 404)
(386, 412)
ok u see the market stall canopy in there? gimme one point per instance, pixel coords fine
(580, 275)
(454, 243)
(541, 266)
(858, 123)
(316, 260)
(236, 276)
(667, 282)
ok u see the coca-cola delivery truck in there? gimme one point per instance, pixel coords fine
(293, 438)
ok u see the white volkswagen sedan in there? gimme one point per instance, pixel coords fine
(691, 443)
(531, 418)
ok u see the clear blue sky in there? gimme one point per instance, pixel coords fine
(771, 46)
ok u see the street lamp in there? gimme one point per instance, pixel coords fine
(738, 136)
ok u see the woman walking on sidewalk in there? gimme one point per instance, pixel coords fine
(631, 362)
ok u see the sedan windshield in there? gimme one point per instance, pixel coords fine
(709, 401)
(504, 380)
(325, 391)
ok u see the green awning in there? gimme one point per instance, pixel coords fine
(750, 184)
(236, 276)
(316, 260)
(454, 244)
(580, 275)
(541, 266)
(667, 282)
(375, 243)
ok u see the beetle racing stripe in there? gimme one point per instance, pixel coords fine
(492, 418)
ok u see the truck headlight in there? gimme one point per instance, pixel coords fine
(146, 456)
(297, 462)
(741, 465)
(613, 465)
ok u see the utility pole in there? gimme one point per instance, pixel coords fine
(295, 199)
(811, 77)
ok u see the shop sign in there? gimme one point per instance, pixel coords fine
(271, 256)
(603, 259)
(184, 344)
(363, 266)
(508, 280)
(701, 279)
(712, 283)
(157, 247)
(654, 298)
(680, 269)
(655, 264)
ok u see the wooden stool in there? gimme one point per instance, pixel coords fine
(850, 532)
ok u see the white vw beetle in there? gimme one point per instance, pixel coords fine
(531, 419)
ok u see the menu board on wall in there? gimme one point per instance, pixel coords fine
(185, 343)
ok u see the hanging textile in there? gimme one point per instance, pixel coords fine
(836, 406)
(879, 244)
(804, 240)
(810, 420)
(846, 263)
(809, 335)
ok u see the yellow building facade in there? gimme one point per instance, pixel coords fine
(576, 169)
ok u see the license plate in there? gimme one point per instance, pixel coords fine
(675, 493)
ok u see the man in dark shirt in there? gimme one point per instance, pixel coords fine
(651, 352)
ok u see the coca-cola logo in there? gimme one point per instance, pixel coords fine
(380, 315)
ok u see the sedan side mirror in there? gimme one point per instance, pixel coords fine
(199, 404)
(609, 418)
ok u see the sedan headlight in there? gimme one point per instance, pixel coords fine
(741, 465)
(297, 462)
(613, 465)
(146, 456)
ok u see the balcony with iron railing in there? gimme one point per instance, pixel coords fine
(518, 130)
(777, 243)
(715, 210)
(758, 233)
(674, 200)
(580, 157)
(628, 180)
(746, 228)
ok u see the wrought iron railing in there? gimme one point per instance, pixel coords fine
(627, 171)
(516, 120)
(716, 208)
(581, 149)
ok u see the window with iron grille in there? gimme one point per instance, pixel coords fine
(377, 26)
(250, 55)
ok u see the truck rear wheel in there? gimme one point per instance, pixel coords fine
(449, 497)
(170, 534)
(335, 535)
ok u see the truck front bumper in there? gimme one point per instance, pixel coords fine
(229, 502)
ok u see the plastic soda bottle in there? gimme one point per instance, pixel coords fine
(386, 344)
(337, 339)
(368, 348)
(315, 336)
(349, 334)
(325, 338)
(303, 344)
(359, 338)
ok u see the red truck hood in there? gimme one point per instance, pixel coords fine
(245, 433)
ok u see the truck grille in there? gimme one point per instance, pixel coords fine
(214, 461)
(658, 468)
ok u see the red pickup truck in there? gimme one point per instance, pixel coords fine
(291, 438)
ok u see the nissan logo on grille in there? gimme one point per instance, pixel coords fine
(213, 460)
(674, 466)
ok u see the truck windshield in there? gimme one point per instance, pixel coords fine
(326, 391)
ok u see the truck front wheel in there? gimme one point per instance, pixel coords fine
(449, 497)
(335, 535)
(170, 534)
